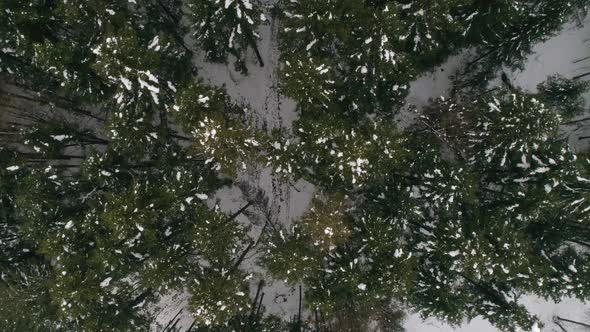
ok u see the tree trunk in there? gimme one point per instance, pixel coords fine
(560, 326)
(173, 318)
(42, 101)
(572, 321)
(250, 35)
(190, 328)
(582, 59)
(241, 258)
(240, 211)
(300, 308)
(260, 305)
(577, 77)
(255, 302)
(478, 59)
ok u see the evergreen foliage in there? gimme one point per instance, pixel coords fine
(113, 158)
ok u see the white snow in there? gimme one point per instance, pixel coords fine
(126, 82)
(106, 282)
(454, 253)
(60, 138)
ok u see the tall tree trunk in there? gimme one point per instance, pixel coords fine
(255, 304)
(241, 258)
(577, 77)
(173, 318)
(190, 328)
(300, 309)
(250, 35)
(240, 211)
(42, 101)
(572, 321)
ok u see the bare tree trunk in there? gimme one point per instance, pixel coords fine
(255, 302)
(572, 321)
(241, 258)
(68, 108)
(250, 35)
(190, 328)
(259, 305)
(240, 211)
(582, 59)
(577, 77)
(560, 326)
(173, 318)
(299, 313)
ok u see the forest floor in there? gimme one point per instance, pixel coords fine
(286, 202)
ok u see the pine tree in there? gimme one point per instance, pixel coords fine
(354, 47)
(223, 27)
(218, 131)
(347, 282)
(564, 95)
(337, 152)
(504, 33)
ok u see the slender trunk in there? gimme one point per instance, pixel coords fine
(41, 100)
(65, 166)
(241, 258)
(478, 59)
(485, 93)
(577, 77)
(582, 59)
(299, 312)
(560, 326)
(240, 211)
(255, 302)
(31, 156)
(190, 328)
(258, 56)
(173, 327)
(262, 232)
(260, 305)
(572, 321)
(173, 318)
(250, 35)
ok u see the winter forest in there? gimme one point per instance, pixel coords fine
(295, 165)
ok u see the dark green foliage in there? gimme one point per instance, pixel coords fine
(224, 27)
(565, 95)
(107, 191)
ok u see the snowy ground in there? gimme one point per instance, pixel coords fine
(268, 110)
